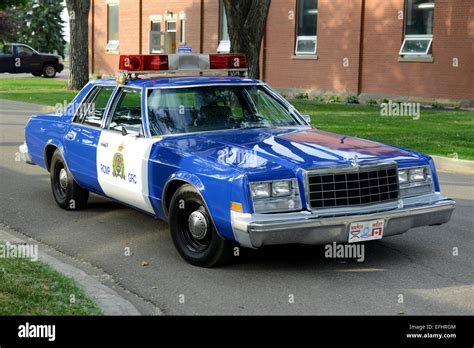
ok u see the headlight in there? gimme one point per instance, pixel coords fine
(274, 196)
(402, 176)
(60, 60)
(417, 174)
(260, 190)
(281, 188)
(415, 181)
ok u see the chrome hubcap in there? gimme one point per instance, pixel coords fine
(49, 70)
(197, 223)
(63, 179)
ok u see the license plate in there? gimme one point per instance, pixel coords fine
(365, 231)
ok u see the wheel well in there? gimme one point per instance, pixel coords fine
(48, 154)
(48, 63)
(170, 190)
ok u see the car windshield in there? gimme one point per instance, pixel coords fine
(197, 109)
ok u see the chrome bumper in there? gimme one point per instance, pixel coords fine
(255, 230)
(24, 154)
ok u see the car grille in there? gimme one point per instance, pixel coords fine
(352, 187)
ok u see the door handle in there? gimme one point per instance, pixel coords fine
(70, 136)
(104, 144)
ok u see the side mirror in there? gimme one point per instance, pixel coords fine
(130, 132)
(307, 118)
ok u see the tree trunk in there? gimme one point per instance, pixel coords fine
(79, 53)
(246, 21)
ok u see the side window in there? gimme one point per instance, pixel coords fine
(127, 111)
(91, 111)
(6, 49)
(23, 51)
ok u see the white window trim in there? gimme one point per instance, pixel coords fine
(306, 38)
(156, 18)
(168, 21)
(224, 46)
(415, 38)
(182, 36)
(112, 45)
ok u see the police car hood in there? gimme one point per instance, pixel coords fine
(259, 150)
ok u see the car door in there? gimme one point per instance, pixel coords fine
(26, 60)
(6, 58)
(83, 135)
(123, 151)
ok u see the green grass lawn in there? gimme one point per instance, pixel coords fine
(36, 90)
(33, 288)
(435, 132)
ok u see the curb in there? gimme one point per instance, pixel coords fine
(108, 300)
(450, 165)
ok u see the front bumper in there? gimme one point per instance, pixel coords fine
(59, 67)
(255, 230)
(24, 154)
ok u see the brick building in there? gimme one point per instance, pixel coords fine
(416, 48)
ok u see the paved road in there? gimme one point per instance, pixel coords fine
(418, 265)
(63, 75)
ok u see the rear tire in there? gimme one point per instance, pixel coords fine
(67, 193)
(49, 71)
(193, 231)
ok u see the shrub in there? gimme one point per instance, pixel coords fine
(353, 99)
(333, 99)
(302, 96)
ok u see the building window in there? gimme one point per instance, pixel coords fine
(112, 26)
(155, 37)
(171, 36)
(182, 35)
(156, 26)
(306, 27)
(418, 28)
(224, 41)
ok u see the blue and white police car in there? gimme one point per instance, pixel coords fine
(227, 161)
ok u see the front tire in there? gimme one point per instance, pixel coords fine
(49, 71)
(193, 231)
(67, 193)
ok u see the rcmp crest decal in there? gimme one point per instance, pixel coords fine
(118, 165)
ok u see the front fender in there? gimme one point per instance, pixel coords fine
(189, 178)
(216, 194)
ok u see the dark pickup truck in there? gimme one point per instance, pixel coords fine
(20, 58)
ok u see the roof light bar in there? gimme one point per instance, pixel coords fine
(227, 61)
(173, 63)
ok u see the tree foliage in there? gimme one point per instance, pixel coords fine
(9, 24)
(41, 26)
(246, 25)
(5, 4)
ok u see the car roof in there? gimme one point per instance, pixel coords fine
(182, 81)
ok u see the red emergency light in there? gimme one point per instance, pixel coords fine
(227, 61)
(155, 63)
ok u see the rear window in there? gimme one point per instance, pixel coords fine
(6, 49)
